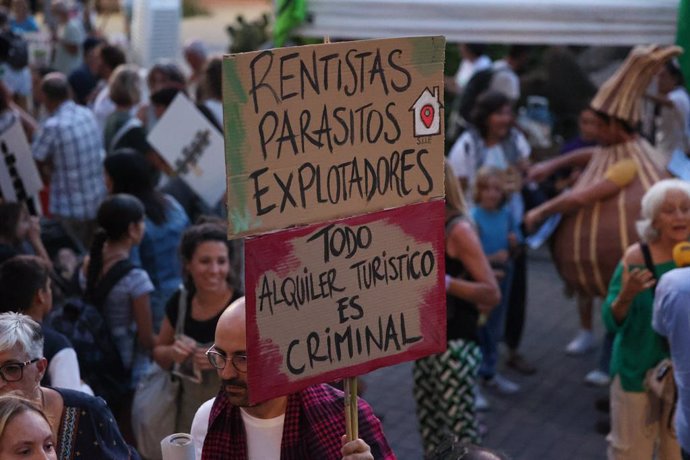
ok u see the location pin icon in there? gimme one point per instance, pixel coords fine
(427, 115)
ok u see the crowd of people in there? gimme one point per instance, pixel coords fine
(137, 274)
(490, 161)
(128, 272)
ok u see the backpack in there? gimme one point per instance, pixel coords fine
(17, 50)
(82, 322)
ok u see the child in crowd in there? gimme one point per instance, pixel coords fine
(499, 235)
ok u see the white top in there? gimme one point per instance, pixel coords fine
(216, 108)
(464, 156)
(505, 80)
(73, 34)
(673, 123)
(469, 68)
(17, 81)
(103, 107)
(263, 435)
(63, 370)
(200, 426)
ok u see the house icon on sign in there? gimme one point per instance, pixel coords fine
(427, 113)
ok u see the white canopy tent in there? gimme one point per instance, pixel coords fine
(572, 22)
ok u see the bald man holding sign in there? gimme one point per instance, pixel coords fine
(308, 424)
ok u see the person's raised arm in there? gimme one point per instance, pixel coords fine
(616, 178)
(539, 172)
(570, 201)
(635, 280)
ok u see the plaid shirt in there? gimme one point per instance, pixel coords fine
(71, 140)
(314, 424)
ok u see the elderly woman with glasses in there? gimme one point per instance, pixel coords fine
(82, 425)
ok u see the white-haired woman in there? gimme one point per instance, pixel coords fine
(82, 425)
(635, 427)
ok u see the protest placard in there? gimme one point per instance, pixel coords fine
(19, 178)
(193, 147)
(320, 132)
(342, 298)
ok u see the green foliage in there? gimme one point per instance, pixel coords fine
(248, 36)
(193, 8)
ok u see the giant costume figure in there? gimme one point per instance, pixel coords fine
(600, 211)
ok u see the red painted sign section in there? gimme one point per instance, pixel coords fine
(343, 298)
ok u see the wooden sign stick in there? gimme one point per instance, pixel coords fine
(351, 414)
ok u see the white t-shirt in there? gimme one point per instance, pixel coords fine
(103, 107)
(505, 81)
(73, 34)
(673, 123)
(17, 81)
(263, 435)
(63, 370)
(469, 68)
(465, 159)
(216, 108)
(464, 155)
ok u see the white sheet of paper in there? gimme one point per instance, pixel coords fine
(544, 232)
(193, 147)
(17, 166)
(679, 165)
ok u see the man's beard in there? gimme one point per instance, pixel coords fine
(240, 401)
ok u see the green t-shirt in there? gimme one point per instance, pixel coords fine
(636, 348)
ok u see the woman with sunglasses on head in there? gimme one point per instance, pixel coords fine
(80, 423)
(209, 288)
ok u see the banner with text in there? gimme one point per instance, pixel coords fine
(193, 147)
(19, 177)
(345, 297)
(320, 132)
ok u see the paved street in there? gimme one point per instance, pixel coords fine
(552, 417)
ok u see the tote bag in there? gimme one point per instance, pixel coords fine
(154, 409)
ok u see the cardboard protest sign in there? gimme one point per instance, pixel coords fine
(193, 147)
(342, 298)
(326, 131)
(19, 178)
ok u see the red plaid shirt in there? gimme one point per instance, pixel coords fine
(314, 424)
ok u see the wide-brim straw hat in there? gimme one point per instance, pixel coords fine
(621, 95)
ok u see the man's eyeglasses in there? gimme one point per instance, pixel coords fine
(13, 372)
(220, 360)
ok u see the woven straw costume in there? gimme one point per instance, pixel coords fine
(591, 240)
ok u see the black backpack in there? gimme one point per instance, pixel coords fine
(17, 54)
(82, 322)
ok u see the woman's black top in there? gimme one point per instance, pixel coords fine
(462, 316)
